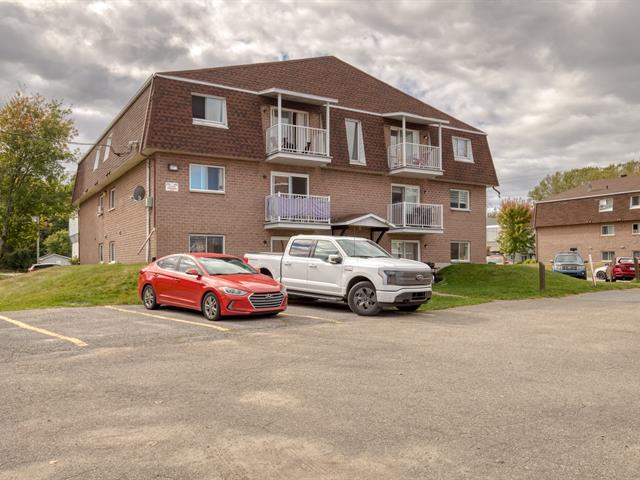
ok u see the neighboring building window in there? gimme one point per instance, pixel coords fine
(206, 243)
(608, 256)
(101, 204)
(107, 149)
(100, 253)
(606, 205)
(300, 248)
(355, 142)
(462, 149)
(112, 199)
(460, 199)
(203, 178)
(291, 183)
(607, 230)
(635, 202)
(112, 252)
(460, 251)
(409, 249)
(96, 162)
(209, 110)
(279, 244)
(635, 229)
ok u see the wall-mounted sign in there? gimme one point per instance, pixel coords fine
(171, 186)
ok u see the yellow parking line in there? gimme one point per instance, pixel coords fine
(310, 316)
(43, 331)
(162, 317)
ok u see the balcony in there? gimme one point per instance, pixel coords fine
(414, 160)
(284, 210)
(297, 145)
(415, 218)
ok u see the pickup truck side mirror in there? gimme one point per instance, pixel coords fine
(334, 259)
(193, 271)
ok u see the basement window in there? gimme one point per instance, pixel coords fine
(209, 111)
(460, 251)
(199, 243)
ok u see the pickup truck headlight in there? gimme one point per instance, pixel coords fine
(390, 277)
(233, 291)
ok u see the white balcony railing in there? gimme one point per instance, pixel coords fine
(296, 139)
(413, 155)
(415, 215)
(285, 207)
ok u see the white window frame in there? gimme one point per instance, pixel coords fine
(96, 162)
(101, 204)
(635, 229)
(288, 174)
(631, 205)
(107, 149)
(455, 260)
(469, 158)
(613, 230)
(112, 252)
(603, 202)
(416, 242)
(112, 199)
(100, 252)
(277, 239)
(468, 200)
(273, 116)
(613, 255)
(211, 123)
(362, 158)
(405, 186)
(224, 240)
(198, 190)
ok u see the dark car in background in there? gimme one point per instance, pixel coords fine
(569, 263)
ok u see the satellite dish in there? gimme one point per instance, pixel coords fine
(138, 193)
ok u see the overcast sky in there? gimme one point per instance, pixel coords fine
(556, 85)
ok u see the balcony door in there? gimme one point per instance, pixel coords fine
(289, 184)
(405, 193)
(295, 137)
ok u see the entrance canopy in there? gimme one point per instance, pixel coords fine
(364, 220)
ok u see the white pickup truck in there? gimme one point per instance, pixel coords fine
(351, 269)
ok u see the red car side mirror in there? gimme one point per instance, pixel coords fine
(193, 271)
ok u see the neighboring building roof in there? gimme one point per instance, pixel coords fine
(492, 222)
(598, 188)
(322, 76)
(55, 258)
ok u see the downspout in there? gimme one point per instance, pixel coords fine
(150, 199)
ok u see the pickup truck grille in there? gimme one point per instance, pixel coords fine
(266, 300)
(414, 278)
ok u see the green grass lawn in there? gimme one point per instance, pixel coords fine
(471, 284)
(74, 286)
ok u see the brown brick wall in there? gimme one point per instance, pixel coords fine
(587, 239)
(239, 212)
(125, 224)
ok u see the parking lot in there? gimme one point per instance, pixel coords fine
(507, 390)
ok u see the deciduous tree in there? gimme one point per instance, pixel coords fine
(516, 232)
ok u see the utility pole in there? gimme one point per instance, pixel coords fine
(36, 219)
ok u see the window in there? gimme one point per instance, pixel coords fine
(112, 199)
(635, 229)
(210, 111)
(636, 254)
(635, 202)
(462, 149)
(291, 183)
(96, 162)
(107, 149)
(323, 249)
(608, 256)
(279, 244)
(405, 193)
(112, 252)
(169, 263)
(355, 142)
(460, 251)
(607, 230)
(100, 253)
(300, 248)
(606, 205)
(203, 178)
(459, 199)
(206, 243)
(186, 263)
(101, 204)
(409, 249)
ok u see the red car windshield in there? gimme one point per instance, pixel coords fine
(225, 266)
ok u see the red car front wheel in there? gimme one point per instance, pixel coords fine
(211, 307)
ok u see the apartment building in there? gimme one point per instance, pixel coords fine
(237, 159)
(600, 218)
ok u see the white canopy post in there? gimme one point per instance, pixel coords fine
(404, 141)
(328, 128)
(440, 143)
(279, 122)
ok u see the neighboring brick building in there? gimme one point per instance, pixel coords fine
(239, 158)
(601, 218)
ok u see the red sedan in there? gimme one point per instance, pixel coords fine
(622, 269)
(214, 284)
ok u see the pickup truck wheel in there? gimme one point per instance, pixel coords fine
(363, 300)
(211, 307)
(408, 308)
